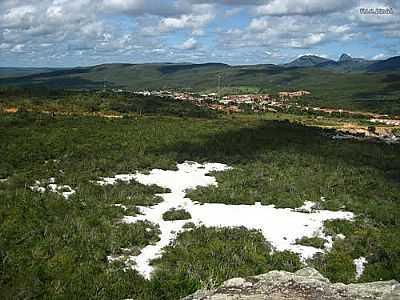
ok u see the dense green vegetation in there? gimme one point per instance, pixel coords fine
(56, 248)
(53, 248)
(365, 238)
(91, 102)
(176, 214)
(205, 257)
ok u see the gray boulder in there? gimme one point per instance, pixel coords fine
(305, 284)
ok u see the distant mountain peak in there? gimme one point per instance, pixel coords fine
(345, 57)
(308, 61)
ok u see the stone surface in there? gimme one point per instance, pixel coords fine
(305, 284)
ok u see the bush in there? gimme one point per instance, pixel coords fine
(176, 214)
(316, 242)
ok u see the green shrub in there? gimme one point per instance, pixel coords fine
(176, 214)
(316, 242)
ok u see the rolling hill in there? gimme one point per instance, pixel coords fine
(18, 72)
(391, 64)
(348, 82)
(304, 69)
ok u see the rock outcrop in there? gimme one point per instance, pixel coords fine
(305, 284)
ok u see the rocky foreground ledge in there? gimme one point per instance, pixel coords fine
(305, 284)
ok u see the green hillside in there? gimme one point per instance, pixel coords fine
(373, 91)
(18, 72)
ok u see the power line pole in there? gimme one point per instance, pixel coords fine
(219, 86)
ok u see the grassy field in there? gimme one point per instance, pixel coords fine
(53, 248)
(92, 103)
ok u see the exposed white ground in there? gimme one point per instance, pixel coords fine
(389, 139)
(360, 266)
(280, 226)
(65, 190)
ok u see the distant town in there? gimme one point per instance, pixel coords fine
(234, 103)
(283, 101)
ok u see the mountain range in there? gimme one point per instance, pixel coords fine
(346, 63)
(367, 77)
(348, 82)
(145, 74)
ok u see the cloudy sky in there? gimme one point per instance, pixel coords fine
(88, 32)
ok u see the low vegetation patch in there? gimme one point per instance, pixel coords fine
(189, 225)
(315, 242)
(176, 214)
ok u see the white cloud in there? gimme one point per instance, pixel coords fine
(340, 28)
(303, 7)
(379, 56)
(259, 24)
(131, 29)
(281, 32)
(123, 5)
(55, 12)
(310, 40)
(4, 46)
(19, 48)
(313, 54)
(152, 7)
(314, 38)
(194, 22)
(189, 44)
(233, 11)
(21, 16)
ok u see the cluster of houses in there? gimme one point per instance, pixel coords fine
(293, 94)
(386, 121)
(261, 102)
(246, 99)
(232, 103)
(282, 101)
(182, 96)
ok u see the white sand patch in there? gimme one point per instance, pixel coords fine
(360, 266)
(37, 187)
(120, 205)
(56, 161)
(2, 180)
(280, 226)
(308, 206)
(65, 190)
(388, 139)
(340, 236)
(343, 136)
(188, 176)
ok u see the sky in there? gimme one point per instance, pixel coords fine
(68, 33)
